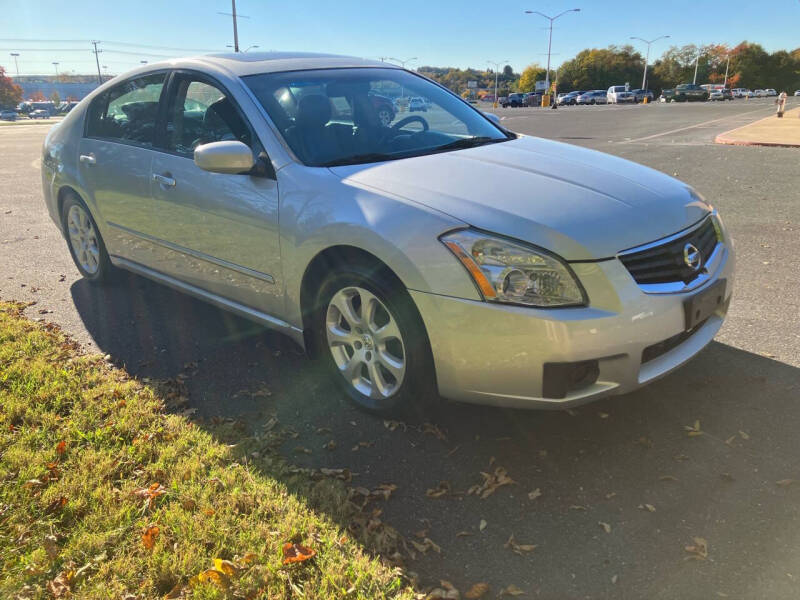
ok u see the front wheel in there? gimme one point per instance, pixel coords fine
(371, 339)
(85, 243)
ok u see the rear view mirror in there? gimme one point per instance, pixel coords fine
(224, 157)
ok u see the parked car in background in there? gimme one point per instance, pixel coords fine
(513, 100)
(760, 93)
(592, 97)
(39, 113)
(384, 107)
(797, 92)
(738, 92)
(617, 94)
(569, 99)
(640, 95)
(417, 104)
(8, 115)
(532, 99)
(721, 94)
(685, 92)
(770, 92)
(385, 258)
(749, 94)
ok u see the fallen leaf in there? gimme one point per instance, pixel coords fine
(149, 536)
(744, 435)
(61, 586)
(323, 430)
(61, 447)
(50, 544)
(56, 504)
(534, 494)
(175, 593)
(360, 445)
(614, 579)
(648, 507)
(425, 545)
(477, 591)
(249, 557)
(610, 495)
(384, 490)
(698, 550)
(343, 474)
(440, 490)
(295, 553)
(511, 590)
(694, 430)
(729, 441)
(482, 525)
(605, 526)
(210, 576)
(331, 445)
(433, 430)
(225, 566)
(602, 415)
(786, 482)
(447, 591)
(150, 494)
(464, 534)
(394, 425)
(519, 548)
(491, 482)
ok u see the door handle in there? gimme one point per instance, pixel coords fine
(164, 180)
(88, 159)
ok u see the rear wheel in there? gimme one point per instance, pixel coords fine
(85, 243)
(370, 338)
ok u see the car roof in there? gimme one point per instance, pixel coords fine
(251, 63)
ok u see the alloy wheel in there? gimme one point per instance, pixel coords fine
(365, 342)
(83, 239)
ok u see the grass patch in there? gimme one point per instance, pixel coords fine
(103, 494)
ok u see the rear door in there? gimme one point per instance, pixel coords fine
(114, 164)
(219, 231)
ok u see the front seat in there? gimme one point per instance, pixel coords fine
(316, 142)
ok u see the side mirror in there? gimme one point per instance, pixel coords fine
(224, 157)
(493, 118)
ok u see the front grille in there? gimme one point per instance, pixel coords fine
(665, 263)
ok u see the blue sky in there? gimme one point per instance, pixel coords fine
(457, 33)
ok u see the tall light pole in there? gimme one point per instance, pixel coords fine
(55, 64)
(696, 63)
(727, 65)
(16, 66)
(550, 42)
(496, 66)
(235, 17)
(647, 59)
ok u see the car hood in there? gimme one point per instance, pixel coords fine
(579, 203)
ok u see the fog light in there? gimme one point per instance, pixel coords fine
(561, 378)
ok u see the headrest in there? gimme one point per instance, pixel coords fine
(313, 110)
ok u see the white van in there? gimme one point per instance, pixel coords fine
(618, 93)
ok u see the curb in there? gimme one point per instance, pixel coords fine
(726, 138)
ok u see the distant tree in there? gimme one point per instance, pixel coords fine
(55, 97)
(529, 77)
(10, 92)
(38, 96)
(600, 68)
(508, 72)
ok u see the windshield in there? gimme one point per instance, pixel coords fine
(334, 117)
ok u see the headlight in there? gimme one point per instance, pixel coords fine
(514, 273)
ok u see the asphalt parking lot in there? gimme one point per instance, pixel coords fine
(623, 488)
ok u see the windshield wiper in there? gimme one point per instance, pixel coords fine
(471, 142)
(359, 158)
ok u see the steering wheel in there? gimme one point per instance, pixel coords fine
(411, 119)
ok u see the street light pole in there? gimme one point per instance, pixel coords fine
(496, 66)
(97, 59)
(55, 64)
(696, 63)
(647, 59)
(550, 40)
(16, 66)
(727, 64)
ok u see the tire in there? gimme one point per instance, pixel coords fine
(84, 241)
(393, 375)
(593, 101)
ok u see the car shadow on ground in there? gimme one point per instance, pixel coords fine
(706, 457)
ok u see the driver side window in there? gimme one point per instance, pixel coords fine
(201, 113)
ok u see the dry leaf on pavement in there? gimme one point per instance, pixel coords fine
(482, 525)
(519, 548)
(534, 494)
(694, 430)
(440, 490)
(605, 526)
(511, 590)
(698, 550)
(491, 482)
(477, 591)
(446, 591)
(648, 507)
(394, 425)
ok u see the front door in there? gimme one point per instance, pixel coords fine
(220, 231)
(114, 162)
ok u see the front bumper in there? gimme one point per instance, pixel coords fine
(493, 354)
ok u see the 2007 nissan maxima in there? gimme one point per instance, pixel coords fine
(436, 253)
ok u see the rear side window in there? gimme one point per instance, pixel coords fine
(127, 112)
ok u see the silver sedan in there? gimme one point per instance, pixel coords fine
(439, 254)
